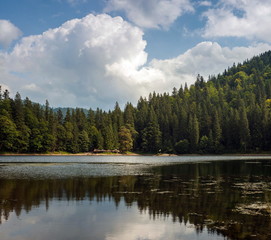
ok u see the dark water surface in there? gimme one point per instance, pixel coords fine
(138, 198)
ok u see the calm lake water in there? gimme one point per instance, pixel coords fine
(135, 197)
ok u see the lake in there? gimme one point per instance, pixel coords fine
(135, 197)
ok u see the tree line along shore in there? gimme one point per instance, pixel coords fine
(228, 113)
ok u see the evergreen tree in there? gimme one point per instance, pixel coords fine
(83, 141)
(47, 108)
(69, 137)
(95, 138)
(244, 129)
(59, 116)
(182, 147)
(256, 127)
(204, 144)
(193, 127)
(61, 137)
(117, 117)
(91, 117)
(108, 136)
(8, 134)
(22, 140)
(125, 140)
(217, 131)
(129, 114)
(151, 135)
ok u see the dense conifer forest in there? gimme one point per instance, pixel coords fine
(229, 113)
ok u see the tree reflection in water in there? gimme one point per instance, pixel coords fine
(231, 198)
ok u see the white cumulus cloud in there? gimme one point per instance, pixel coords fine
(151, 13)
(8, 33)
(73, 65)
(98, 60)
(206, 58)
(239, 18)
(205, 3)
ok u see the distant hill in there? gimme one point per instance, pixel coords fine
(254, 71)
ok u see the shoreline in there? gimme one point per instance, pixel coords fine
(67, 154)
(132, 154)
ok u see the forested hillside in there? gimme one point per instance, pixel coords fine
(228, 113)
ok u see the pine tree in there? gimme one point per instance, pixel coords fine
(95, 138)
(8, 134)
(117, 117)
(22, 141)
(108, 136)
(217, 131)
(125, 140)
(47, 108)
(59, 116)
(91, 117)
(61, 138)
(129, 114)
(244, 129)
(151, 135)
(83, 141)
(256, 127)
(193, 127)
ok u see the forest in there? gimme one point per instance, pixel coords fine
(228, 113)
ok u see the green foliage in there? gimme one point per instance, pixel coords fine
(125, 139)
(244, 132)
(151, 138)
(217, 131)
(83, 141)
(95, 138)
(22, 140)
(193, 128)
(204, 144)
(60, 137)
(8, 134)
(151, 134)
(35, 144)
(108, 136)
(182, 147)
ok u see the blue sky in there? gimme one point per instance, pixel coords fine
(92, 53)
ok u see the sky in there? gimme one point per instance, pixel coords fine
(94, 53)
